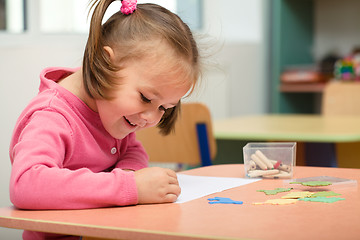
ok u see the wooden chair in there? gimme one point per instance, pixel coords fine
(343, 98)
(192, 142)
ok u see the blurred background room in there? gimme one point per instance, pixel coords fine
(265, 56)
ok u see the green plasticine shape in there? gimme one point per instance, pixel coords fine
(313, 183)
(275, 191)
(325, 194)
(322, 199)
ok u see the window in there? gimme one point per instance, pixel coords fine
(2, 15)
(190, 11)
(12, 16)
(71, 15)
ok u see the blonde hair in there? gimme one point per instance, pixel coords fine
(128, 34)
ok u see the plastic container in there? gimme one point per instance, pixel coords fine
(334, 183)
(272, 160)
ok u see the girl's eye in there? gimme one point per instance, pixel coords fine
(161, 108)
(144, 99)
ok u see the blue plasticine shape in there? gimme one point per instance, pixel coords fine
(217, 200)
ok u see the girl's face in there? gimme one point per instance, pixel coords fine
(140, 99)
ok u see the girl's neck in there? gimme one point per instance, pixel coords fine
(74, 84)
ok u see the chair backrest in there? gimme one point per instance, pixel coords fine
(341, 98)
(182, 146)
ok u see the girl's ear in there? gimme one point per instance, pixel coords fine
(110, 52)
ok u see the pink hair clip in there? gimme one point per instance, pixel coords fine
(128, 6)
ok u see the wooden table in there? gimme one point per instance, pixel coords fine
(317, 131)
(290, 127)
(199, 220)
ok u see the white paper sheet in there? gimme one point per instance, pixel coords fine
(193, 187)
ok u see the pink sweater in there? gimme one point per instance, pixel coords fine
(63, 158)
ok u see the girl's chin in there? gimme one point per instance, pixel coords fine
(122, 134)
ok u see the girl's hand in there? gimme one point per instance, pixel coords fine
(157, 185)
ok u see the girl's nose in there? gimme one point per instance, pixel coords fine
(152, 117)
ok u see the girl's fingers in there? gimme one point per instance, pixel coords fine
(173, 193)
(171, 173)
(174, 189)
(173, 181)
(170, 198)
(173, 177)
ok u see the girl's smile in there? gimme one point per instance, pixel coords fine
(143, 93)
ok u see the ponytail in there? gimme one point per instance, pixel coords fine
(97, 67)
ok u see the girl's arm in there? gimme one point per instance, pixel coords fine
(39, 180)
(134, 156)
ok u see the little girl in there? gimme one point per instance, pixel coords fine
(74, 145)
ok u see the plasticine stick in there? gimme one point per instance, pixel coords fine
(258, 162)
(281, 174)
(277, 164)
(264, 159)
(282, 167)
(262, 173)
(252, 165)
(285, 168)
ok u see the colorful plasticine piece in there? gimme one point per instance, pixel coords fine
(325, 194)
(222, 200)
(296, 195)
(322, 199)
(275, 191)
(313, 183)
(277, 202)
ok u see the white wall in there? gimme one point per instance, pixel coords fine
(235, 87)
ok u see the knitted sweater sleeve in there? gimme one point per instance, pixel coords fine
(39, 179)
(135, 157)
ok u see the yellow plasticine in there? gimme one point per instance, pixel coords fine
(295, 195)
(277, 202)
